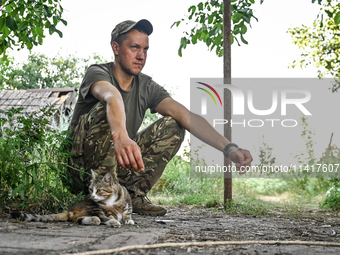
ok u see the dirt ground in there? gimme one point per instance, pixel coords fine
(180, 224)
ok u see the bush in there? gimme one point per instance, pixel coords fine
(33, 160)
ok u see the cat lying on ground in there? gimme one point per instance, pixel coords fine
(109, 203)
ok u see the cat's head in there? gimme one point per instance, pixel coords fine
(102, 187)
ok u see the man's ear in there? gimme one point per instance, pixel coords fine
(115, 47)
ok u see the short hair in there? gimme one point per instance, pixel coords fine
(122, 37)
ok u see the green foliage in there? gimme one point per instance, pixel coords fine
(176, 183)
(331, 156)
(265, 154)
(149, 118)
(332, 199)
(23, 22)
(40, 71)
(33, 160)
(208, 24)
(321, 42)
(307, 135)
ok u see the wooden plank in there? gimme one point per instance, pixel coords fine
(13, 95)
(46, 94)
(8, 94)
(28, 101)
(2, 93)
(55, 94)
(20, 94)
(22, 102)
(26, 95)
(14, 102)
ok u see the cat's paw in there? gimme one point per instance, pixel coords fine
(94, 220)
(113, 223)
(130, 222)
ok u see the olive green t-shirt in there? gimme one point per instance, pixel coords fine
(144, 94)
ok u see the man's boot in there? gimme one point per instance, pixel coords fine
(143, 206)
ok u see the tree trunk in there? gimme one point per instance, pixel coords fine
(227, 94)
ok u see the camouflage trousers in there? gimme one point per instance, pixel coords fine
(93, 148)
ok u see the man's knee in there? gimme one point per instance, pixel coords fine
(175, 128)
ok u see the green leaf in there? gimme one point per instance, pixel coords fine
(48, 12)
(5, 32)
(2, 23)
(194, 39)
(15, 12)
(35, 177)
(213, 31)
(17, 189)
(210, 19)
(59, 33)
(11, 24)
(173, 24)
(337, 18)
(39, 31)
(192, 8)
(329, 13)
(243, 40)
(65, 22)
(200, 6)
(51, 29)
(55, 20)
(243, 29)
(8, 8)
(236, 17)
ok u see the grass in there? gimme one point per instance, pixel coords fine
(253, 196)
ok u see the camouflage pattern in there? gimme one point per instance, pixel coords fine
(93, 148)
(127, 25)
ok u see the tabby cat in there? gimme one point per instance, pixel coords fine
(109, 203)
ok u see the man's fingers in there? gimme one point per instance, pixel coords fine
(133, 162)
(120, 160)
(126, 160)
(247, 158)
(139, 160)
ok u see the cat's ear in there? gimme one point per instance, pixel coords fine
(94, 175)
(108, 178)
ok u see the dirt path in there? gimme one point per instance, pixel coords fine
(181, 224)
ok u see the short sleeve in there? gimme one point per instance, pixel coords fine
(93, 74)
(157, 94)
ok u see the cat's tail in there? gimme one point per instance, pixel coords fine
(64, 216)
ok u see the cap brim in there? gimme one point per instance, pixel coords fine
(144, 24)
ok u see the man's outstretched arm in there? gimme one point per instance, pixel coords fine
(200, 128)
(127, 151)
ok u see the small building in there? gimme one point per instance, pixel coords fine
(32, 100)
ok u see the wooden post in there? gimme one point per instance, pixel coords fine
(227, 94)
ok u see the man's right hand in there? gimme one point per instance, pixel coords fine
(128, 152)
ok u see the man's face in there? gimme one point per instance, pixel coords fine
(131, 54)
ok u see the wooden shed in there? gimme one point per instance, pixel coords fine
(32, 100)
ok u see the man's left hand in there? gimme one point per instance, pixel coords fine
(242, 159)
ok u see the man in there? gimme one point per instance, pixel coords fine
(112, 101)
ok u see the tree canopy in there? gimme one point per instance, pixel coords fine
(320, 43)
(23, 22)
(40, 71)
(207, 21)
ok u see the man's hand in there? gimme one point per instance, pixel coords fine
(241, 158)
(128, 153)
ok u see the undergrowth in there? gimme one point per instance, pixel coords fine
(33, 161)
